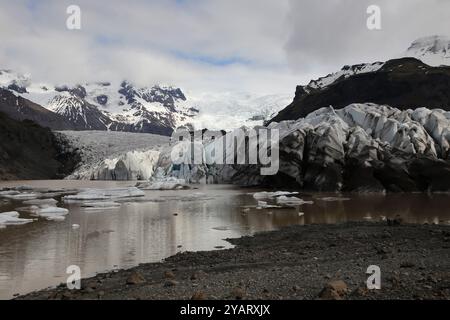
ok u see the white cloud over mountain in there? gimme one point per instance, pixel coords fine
(259, 46)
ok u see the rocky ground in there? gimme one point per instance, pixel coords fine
(299, 262)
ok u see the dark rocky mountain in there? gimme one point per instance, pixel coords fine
(29, 151)
(405, 83)
(19, 108)
(99, 106)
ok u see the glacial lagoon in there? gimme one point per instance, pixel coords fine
(162, 223)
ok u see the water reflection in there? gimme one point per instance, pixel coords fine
(36, 255)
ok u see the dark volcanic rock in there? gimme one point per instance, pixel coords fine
(402, 83)
(29, 151)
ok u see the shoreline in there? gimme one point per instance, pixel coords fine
(295, 262)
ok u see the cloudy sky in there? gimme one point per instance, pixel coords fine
(259, 46)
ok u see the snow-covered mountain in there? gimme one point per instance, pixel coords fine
(345, 72)
(433, 50)
(157, 109)
(107, 106)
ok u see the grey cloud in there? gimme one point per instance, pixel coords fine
(286, 42)
(328, 34)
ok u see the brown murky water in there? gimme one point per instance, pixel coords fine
(36, 255)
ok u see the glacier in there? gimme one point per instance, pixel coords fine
(328, 150)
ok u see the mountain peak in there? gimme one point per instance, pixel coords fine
(432, 50)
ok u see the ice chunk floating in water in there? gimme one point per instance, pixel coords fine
(271, 195)
(265, 205)
(41, 202)
(105, 194)
(167, 183)
(12, 218)
(22, 196)
(100, 205)
(52, 213)
(292, 201)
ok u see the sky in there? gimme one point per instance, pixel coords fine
(257, 46)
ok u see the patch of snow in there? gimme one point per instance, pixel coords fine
(345, 72)
(432, 50)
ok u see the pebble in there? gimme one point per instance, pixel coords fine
(170, 283)
(169, 275)
(334, 290)
(135, 278)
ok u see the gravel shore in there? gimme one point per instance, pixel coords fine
(298, 262)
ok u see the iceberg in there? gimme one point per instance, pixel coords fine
(105, 194)
(292, 201)
(29, 209)
(22, 196)
(169, 183)
(329, 199)
(100, 205)
(52, 213)
(265, 205)
(8, 193)
(41, 202)
(12, 218)
(271, 195)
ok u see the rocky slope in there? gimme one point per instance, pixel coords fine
(405, 83)
(29, 151)
(19, 108)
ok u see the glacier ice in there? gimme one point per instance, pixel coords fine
(100, 205)
(105, 194)
(52, 213)
(12, 218)
(291, 201)
(270, 195)
(41, 202)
